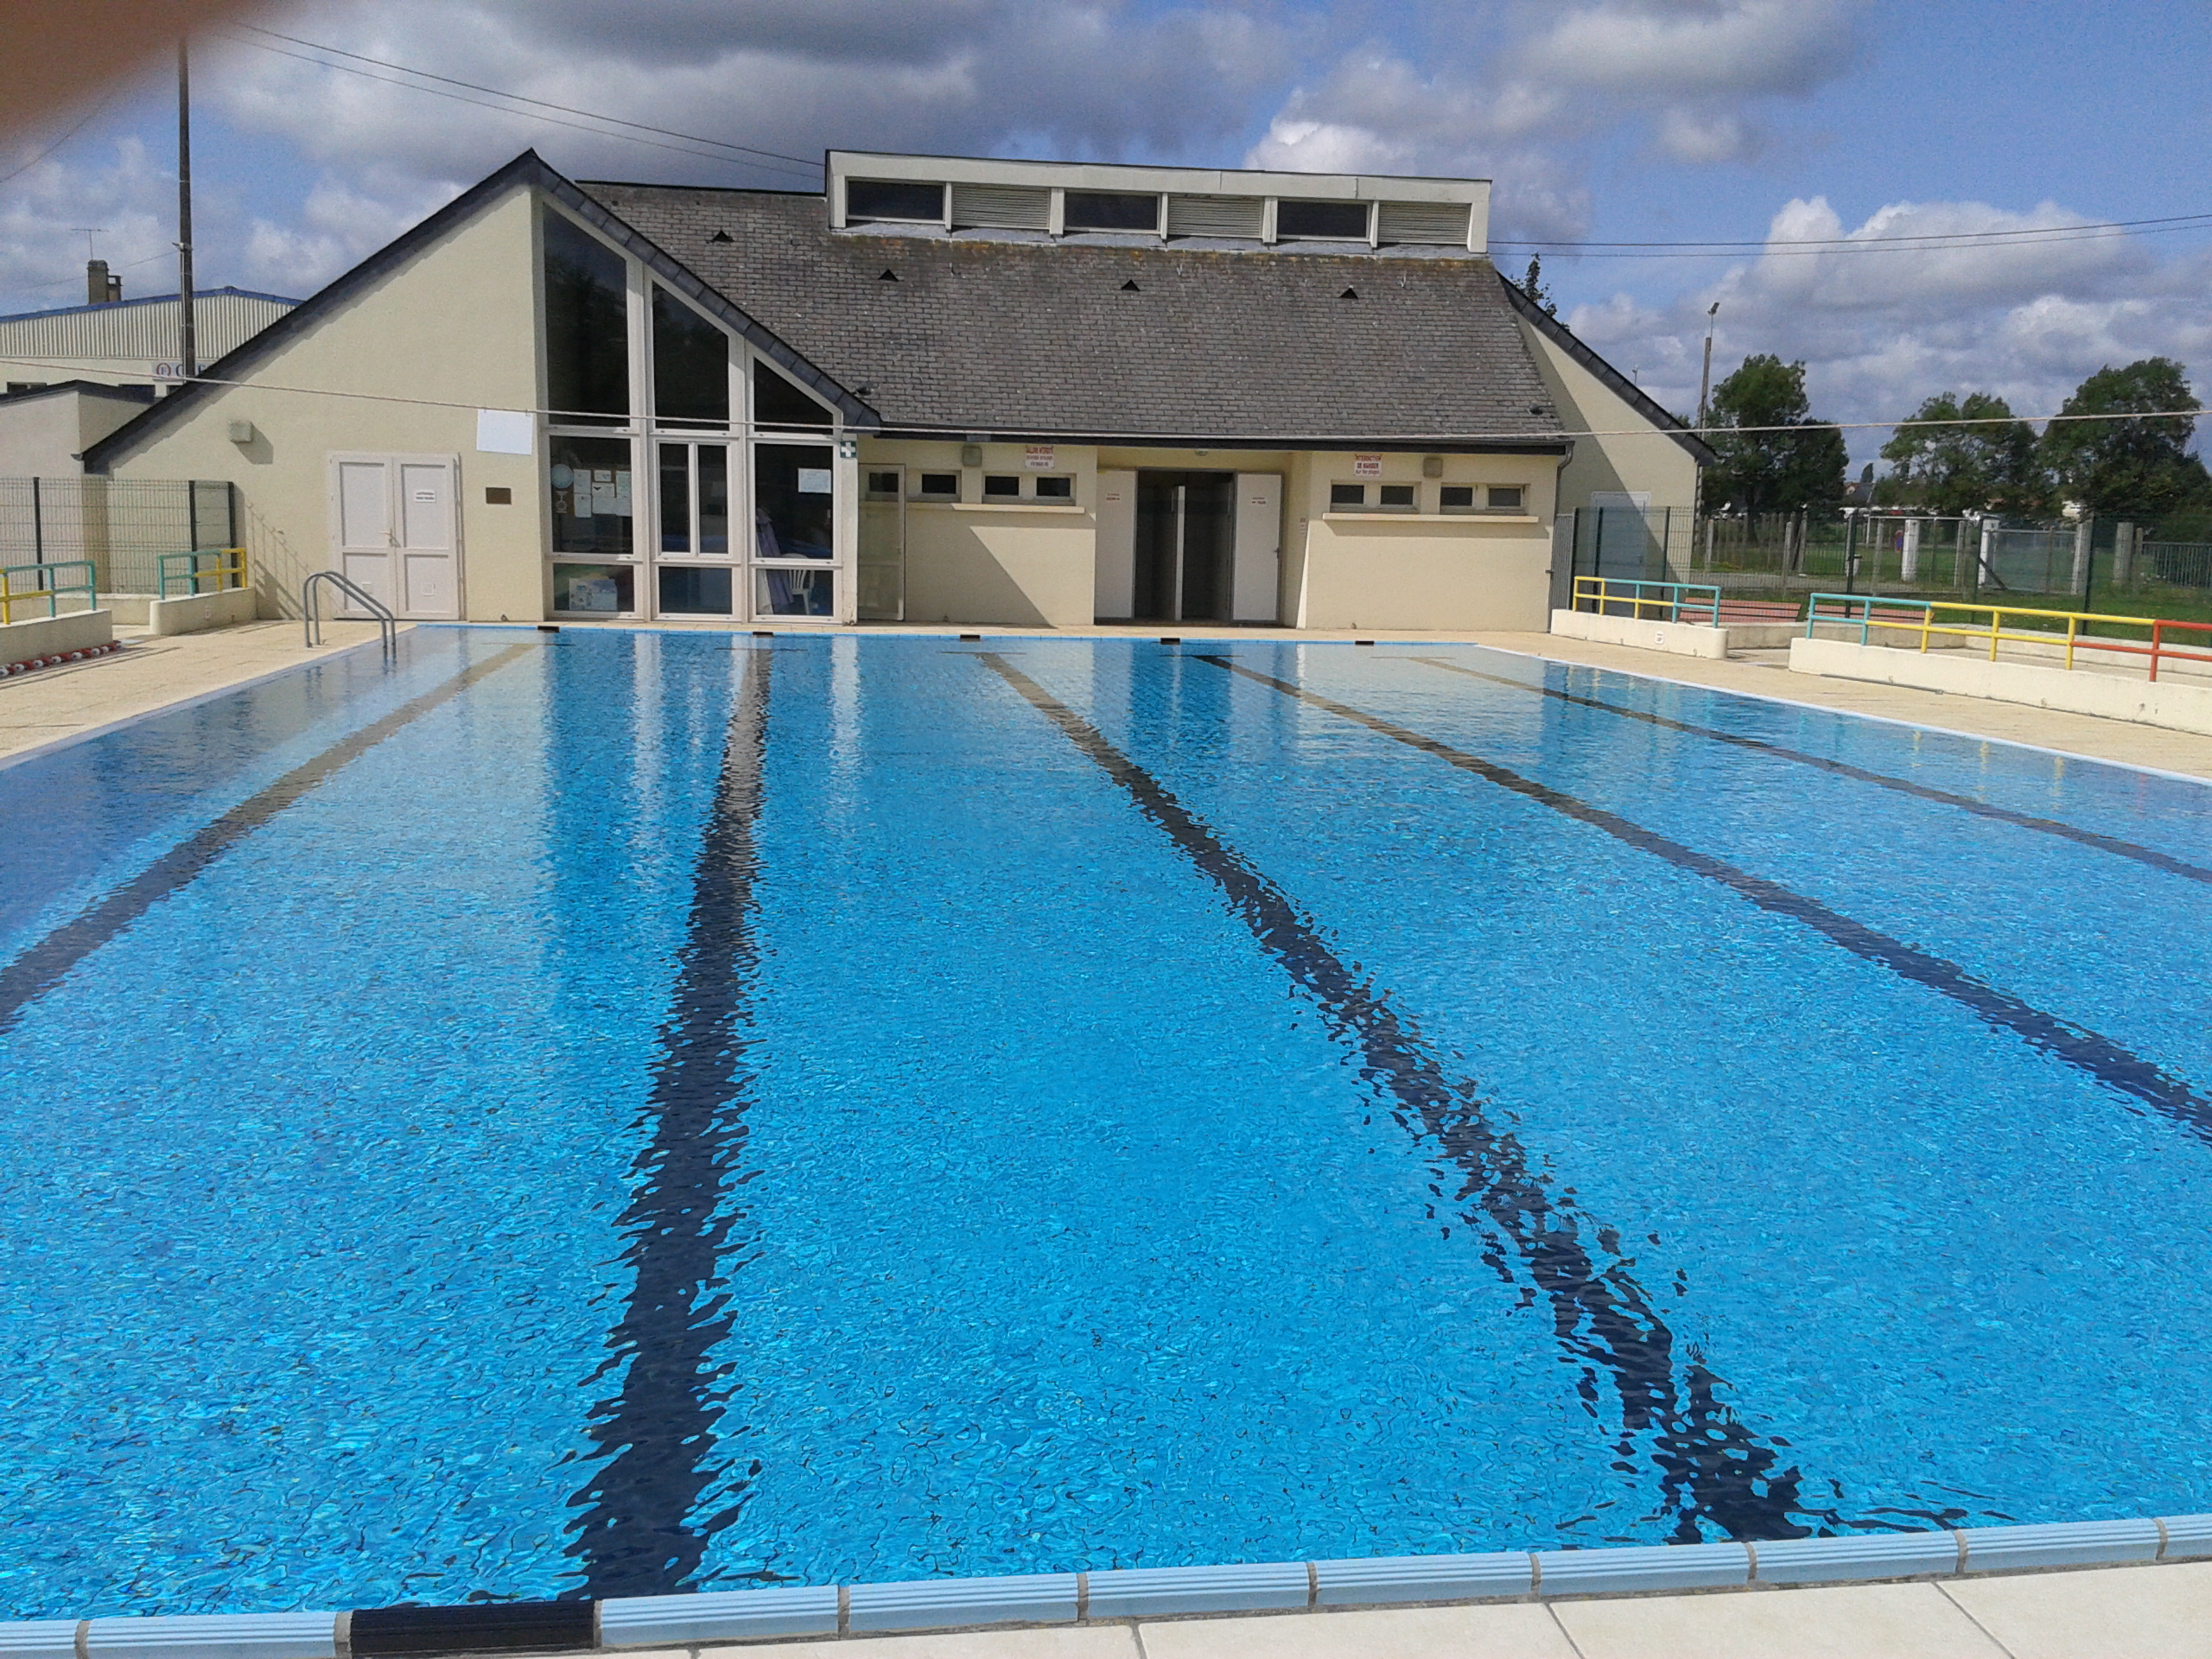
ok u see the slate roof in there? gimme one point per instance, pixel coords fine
(1026, 338)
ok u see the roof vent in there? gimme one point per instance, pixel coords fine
(1349, 293)
(1131, 287)
(888, 277)
(1535, 408)
(721, 235)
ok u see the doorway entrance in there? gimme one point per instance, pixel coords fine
(393, 530)
(1185, 530)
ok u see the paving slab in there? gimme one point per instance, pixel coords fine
(1514, 1630)
(2115, 1612)
(1088, 1641)
(1859, 1621)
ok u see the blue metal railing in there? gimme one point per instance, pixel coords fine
(1671, 601)
(45, 583)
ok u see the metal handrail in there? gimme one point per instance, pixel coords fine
(229, 570)
(2075, 639)
(1672, 597)
(387, 623)
(45, 586)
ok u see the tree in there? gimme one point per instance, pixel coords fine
(1771, 471)
(2140, 466)
(1533, 286)
(1953, 469)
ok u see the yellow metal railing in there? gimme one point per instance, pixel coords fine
(190, 571)
(1668, 600)
(1926, 617)
(25, 584)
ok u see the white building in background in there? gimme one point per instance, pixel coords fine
(127, 342)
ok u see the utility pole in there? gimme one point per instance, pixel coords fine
(1705, 380)
(187, 347)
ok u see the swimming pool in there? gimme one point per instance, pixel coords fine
(616, 1112)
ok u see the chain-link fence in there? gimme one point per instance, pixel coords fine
(122, 524)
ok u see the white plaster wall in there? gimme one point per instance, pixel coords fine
(1007, 566)
(456, 324)
(1423, 569)
(42, 437)
(1646, 460)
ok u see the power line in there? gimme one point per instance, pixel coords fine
(665, 132)
(62, 140)
(601, 132)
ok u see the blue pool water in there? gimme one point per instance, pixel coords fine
(618, 1112)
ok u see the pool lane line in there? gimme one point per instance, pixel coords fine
(634, 1531)
(2099, 1055)
(1712, 1468)
(2113, 844)
(42, 965)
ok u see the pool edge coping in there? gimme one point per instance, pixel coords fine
(791, 1613)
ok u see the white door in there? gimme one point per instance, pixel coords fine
(1259, 548)
(394, 530)
(1113, 579)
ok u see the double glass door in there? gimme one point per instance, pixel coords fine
(692, 572)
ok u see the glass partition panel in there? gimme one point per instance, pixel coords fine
(714, 498)
(778, 402)
(676, 498)
(591, 494)
(690, 363)
(593, 589)
(587, 323)
(794, 593)
(686, 590)
(791, 501)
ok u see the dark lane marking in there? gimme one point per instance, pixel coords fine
(635, 1536)
(2113, 844)
(1711, 1467)
(43, 964)
(2099, 1057)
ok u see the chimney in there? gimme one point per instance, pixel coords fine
(101, 289)
(115, 290)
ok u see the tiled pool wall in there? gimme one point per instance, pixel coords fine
(1047, 1598)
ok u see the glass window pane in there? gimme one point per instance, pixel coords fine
(794, 593)
(791, 500)
(675, 498)
(690, 363)
(882, 486)
(1507, 496)
(1056, 488)
(714, 498)
(1347, 495)
(1111, 210)
(1397, 495)
(587, 323)
(945, 485)
(593, 589)
(591, 494)
(998, 486)
(685, 591)
(890, 199)
(1456, 498)
(1340, 221)
(777, 401)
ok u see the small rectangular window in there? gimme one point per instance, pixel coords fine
(882, 486)
(1456, 498)
(1333, 221)
(999, 487)
(938, 486)
(1111, 210)
(1347, 495)
(1397, 498)
(922, 204)
(1056, 488)
(1505, 497)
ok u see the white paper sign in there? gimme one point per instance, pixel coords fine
(1367, 466)
(814, 481)
(1038, 455)
(505, 431)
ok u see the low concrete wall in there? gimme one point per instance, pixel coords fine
(2181, 708)
(1683, 638)
(1762, 636)
(129, 608)
(199, 612)
(49, 636)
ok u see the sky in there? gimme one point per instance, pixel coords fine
(1753, 122)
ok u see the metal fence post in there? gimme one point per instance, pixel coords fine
(38, 524)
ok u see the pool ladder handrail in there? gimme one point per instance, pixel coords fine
(387, 623)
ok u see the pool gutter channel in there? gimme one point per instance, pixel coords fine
(714, 1617)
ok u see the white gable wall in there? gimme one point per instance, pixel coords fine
(455, 324)
(1631, 454)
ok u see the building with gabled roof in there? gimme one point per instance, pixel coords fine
(945, 389)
